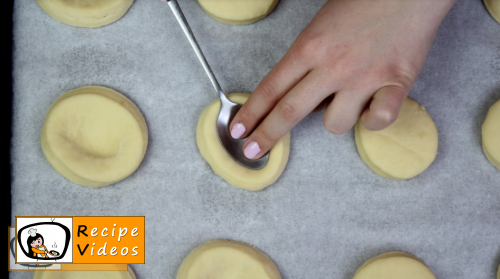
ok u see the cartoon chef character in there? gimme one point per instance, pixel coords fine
(35, 241)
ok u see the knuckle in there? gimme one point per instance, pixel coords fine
(245, 114)
(287, 111)
(265, 138)
(309, 44)
(402, 74)
(333, 129)
(385, 117)
(333, 126)
(267, 91)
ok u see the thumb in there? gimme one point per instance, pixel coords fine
(384, 107)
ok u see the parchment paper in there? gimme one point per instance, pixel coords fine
(328, 213)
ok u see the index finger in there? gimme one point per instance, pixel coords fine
(296, 105)
(281, 79)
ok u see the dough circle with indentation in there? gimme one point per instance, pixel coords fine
(224, 166)
(493, 6)
(404, 149)
(237, 12)
(225, 259)
(394, 265)
(86, 13)
(491, 135)
(94, 136)
(57, 274)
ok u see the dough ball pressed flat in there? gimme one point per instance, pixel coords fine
(394, 265)
(224, 259)
(56, 274)
(491, 135)
(402, 150)
(94, 136)
(498, 273)
(238, 12)
(86, 13)
(224, 166)
(493, 7)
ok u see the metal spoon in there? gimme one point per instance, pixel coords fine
(234, 147)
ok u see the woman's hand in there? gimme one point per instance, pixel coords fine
(356, 58)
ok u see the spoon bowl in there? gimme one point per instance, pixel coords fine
(234, 147)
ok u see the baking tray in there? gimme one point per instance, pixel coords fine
(328, 213)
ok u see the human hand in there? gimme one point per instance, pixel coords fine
(357, 58)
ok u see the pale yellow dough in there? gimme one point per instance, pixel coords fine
(86, 13)
(498, 273)
(94, 136)
(404, 149)
(238, 12)
(493, 7)
(224, 259)
(491, 135)
(394, 265)
(224, 166)
(55, 274)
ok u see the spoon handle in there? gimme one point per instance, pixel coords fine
(176, 9)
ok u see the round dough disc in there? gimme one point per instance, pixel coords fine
(94, 136)
(493, 7)
(491, 135)
(394, 265)
(97, 274)
(237, 12)
(498, 274)
(86, 13)
(402, 150)
(224, 166)
(224, 259)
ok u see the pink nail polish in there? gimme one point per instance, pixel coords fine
(251, 150)
(238, 130)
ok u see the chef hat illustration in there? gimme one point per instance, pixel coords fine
(32, 232)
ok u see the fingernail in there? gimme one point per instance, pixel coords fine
(251, 150)
(238, 130)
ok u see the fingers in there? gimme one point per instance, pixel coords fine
(344, 111)
(279, 81)
(323, 104)
(292, 108)
(346, 108)
(384, 107)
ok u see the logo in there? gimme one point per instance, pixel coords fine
(79, 240)
(44, 240)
